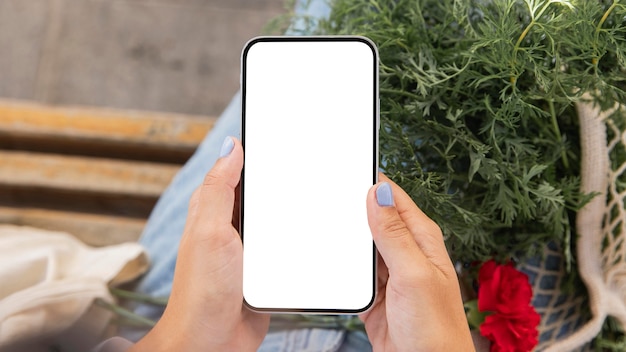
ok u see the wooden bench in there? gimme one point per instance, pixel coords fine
(95, 173)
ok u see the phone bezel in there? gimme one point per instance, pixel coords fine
(375, 157)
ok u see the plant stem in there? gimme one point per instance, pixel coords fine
(596, 59)
(518, 44)
(400, 92)
(125, 313)
(287, 322)
(604, 17)
(139, 297)
(557, 132)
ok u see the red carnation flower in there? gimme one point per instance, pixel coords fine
(506, 294)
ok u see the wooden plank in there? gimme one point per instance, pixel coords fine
(94, 173)
(92, 229)
(101, 132)
(104, 124)
(82, 174)
(86, 202)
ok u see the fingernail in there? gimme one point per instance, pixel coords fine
(384, 197)
(227, 147)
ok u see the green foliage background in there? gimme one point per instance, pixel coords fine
(477, 109)
(478, 118)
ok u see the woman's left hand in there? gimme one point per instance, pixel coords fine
(206, 311)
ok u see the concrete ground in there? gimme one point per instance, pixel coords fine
(159, 55)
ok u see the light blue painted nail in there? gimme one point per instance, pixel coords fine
(227, 147)
(384, 197)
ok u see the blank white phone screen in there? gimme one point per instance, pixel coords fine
(309, 128)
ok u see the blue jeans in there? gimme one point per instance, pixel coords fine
(166, 223)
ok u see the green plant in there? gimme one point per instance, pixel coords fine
(477, 109)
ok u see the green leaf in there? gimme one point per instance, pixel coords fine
(474, 316)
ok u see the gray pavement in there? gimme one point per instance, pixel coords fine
(160, 55)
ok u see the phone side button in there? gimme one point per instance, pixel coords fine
(378, 116)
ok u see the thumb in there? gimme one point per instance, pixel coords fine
(393, 239)
(212, 203)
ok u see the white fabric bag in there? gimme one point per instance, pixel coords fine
(48, 283)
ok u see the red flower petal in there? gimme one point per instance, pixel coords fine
(506, 292)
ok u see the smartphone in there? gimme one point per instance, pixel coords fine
(310, 136)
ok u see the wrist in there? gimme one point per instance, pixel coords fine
(184, 336)
(160, 339)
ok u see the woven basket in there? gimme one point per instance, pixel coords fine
(569, 322)
(562, 313)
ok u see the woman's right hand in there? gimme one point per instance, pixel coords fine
(418, 306)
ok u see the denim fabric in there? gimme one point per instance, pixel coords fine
(166, 223)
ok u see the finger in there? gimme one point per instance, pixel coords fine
(212, 204)
(425, 231)
(393, 239)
